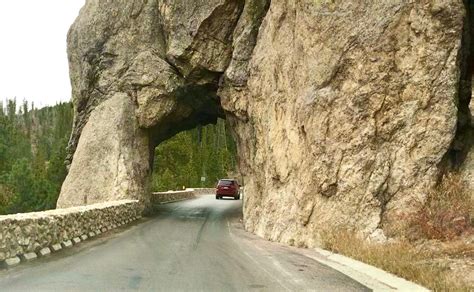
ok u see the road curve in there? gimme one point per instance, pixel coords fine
(194, 245)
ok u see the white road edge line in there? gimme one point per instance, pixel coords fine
(370, 276)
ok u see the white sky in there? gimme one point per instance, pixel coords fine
(33, 59)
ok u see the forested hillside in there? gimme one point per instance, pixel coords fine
(33, 149)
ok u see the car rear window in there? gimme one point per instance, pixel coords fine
(225, 182)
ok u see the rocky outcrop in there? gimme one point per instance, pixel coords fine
(344, 112)
(141, 71)
(348, 117)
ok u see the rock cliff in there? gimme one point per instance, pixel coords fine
(344, 112)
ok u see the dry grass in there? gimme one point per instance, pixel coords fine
(446, 214)
(431, 237)
(400, 258)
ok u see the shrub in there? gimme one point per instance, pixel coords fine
(6, 198)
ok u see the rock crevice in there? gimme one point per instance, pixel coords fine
(462, 152)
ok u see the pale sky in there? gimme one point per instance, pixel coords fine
(33, 59)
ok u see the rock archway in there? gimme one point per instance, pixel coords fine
(343, 111)
(141, 72)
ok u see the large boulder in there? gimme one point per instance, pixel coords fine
(111, 159)
(344, 112)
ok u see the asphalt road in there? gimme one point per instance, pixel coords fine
(195, 245)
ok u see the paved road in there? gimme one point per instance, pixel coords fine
(195, 245)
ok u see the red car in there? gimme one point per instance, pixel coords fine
(228, 188)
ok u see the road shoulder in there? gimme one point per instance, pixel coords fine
(367, 275)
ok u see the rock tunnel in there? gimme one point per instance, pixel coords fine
(143, 78)
(336, 124)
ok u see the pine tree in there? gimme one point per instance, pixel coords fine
(33, 150)
(188, 156)
(32, 153)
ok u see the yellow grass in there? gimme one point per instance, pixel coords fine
(400, 258)
(440, 221)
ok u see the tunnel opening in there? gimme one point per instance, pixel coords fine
(191, 145)
(196, 105)
(194, 158)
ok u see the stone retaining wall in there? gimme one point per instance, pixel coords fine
(209, 191)
(28, 235)
(170, 196)
(204, 191)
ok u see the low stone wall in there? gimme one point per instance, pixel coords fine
(171, 196)
(204, 191)
(28, 235)
(210, 191)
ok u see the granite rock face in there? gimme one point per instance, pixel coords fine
(112, 149)
(344, 112)
(347, 118)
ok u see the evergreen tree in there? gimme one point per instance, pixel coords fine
(202, 152)
(33, 150)
(32, 153)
